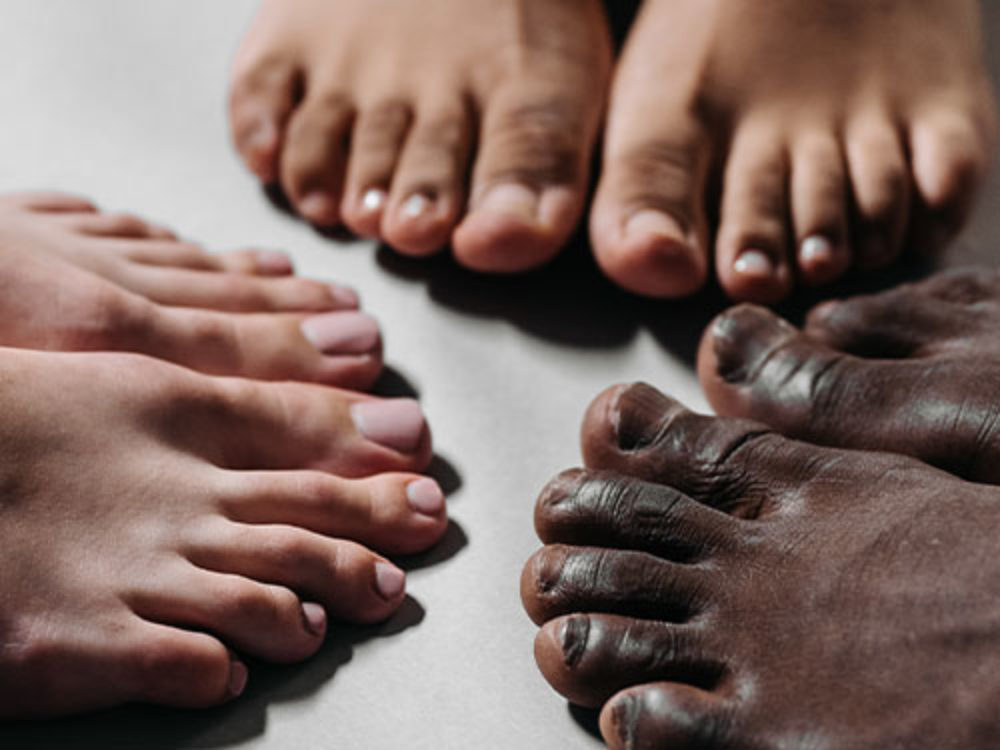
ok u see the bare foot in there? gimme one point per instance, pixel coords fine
(832, 147)
(915, 370)
(469, 121)
(156, 523)
(74, 278)
(714, 585)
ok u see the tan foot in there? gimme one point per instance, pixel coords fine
(78, 279)
(157, 524)
(833, 147)
(470, 121)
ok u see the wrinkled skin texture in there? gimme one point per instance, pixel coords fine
(715, 585)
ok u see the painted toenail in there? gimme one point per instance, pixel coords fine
(816, 251)
(575, 634)
(373, 200)
(754, 263)
(272, 261)
(314, 618)
(425, 496)
(397, 423)
(237, 678)
(318, 208)
(389, 580)
(511, 200)
(416, 206)
(344, 296)
(342, 332)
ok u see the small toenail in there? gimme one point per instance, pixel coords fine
(237, 677)
(416, 206)
(754, 263)
(575, 634)
(318, 208)
(396, 423)
(816, 251)
(425, 496)
(262, 137)
(343, 332)
(562, 487)
(373, 200)
(637, 414)
(272, 261)
(314, 618)
(513, 200)
(625, 716)
(389, 580)
(343, 296)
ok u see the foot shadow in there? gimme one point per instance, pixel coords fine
(586, 718)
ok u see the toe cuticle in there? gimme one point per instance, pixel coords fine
(342, 332)
(390, 581)
(425, 497)
(313, 618)
(397, 424)
(238, 675)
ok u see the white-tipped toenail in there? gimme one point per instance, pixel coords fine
(237, 677)
(314, 618)
(416, 205)
(389, 580)
(425, 496)
(373, 200)
(816, 250)
(513, 199)
(754, 263)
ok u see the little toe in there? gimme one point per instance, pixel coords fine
(590, 657)
(392, 513)
(560, 580)
(662, 715)
(752, 244)
(48, 202)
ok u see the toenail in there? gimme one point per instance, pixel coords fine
(373, 200)
(743, 337)
(637, 414)
(562, 487)
(397, 423)
(314, 618)
(272, 261)
(342, 332)
(343, 296)
(416, 206)
(816, 251)
(262, 137)
(754, 263)
(575, 634)
(625, 716)
(389, 580)
(318, 208)
(649, 223)
(425, 496)
(513, 200)
(237, 677)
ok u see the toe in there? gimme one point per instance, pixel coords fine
(48, 202)
(818, 203)
(609, 510)
(560, 580)
(752, 244)
(114, 225)
(529, 178)
(314, 159)
(376, 144)
(662, 715)
(428, 187)
(881, 186)
(590, 657)
(348, 580)
(392, 513)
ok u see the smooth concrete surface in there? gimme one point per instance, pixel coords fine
(124, 101)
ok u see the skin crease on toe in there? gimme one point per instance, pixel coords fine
(714, 585)
(909, 370)
(144, 566)
(474, 125)
(830, 148)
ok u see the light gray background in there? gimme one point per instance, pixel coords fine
(123, 101)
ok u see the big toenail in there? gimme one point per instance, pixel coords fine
(373, 200)
(342, 332)
(396, 423)
(514, 200)
(816, 251)
(416, 206)
(575, 633)
(237, 677)
(754, 263)
(314, 618)
(649, 223)
(389, 580)
(318, 208)
(425, 496)
(343, 296)
(272, 261)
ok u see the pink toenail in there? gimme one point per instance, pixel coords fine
(314, 618)
(425, 496)
(396, 423)
(344, 296)
(647, 223)
(816, 251)
(754, 263)
(416, 205)
(514, 200)
(389, 580)
(318, 208)
(272, 261)
(373, 200)
(343, 332)
(237, 677)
